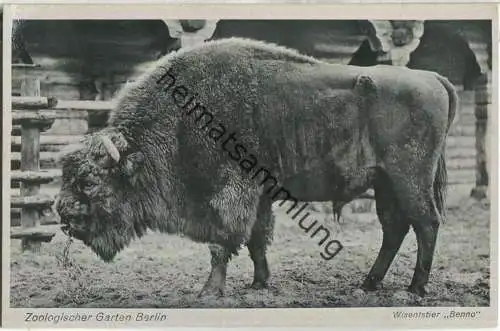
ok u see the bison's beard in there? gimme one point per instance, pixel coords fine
(106, 243)
(105, 234)
(105, 246)
(109, 236)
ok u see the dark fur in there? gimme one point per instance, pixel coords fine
(441, 181)
(313, 124)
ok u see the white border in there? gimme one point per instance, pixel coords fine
(311, 317)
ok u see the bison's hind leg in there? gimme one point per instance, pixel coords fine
(413, 185)
(261, 236)
(394, 226)
(425, 223)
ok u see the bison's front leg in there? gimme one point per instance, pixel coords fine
(262, 233)
(217, 279)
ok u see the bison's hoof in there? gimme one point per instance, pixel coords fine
(418, 290)
(258, 285)
(371, 285)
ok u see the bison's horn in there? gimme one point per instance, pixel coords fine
(111, 148)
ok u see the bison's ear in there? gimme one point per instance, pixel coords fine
(133, 162)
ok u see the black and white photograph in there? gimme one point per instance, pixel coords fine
(250, 163)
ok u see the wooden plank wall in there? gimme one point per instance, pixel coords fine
(461, 151)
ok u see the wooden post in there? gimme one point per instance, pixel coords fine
(30, 161)
(482, 101)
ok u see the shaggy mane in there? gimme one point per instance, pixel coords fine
(261, 50)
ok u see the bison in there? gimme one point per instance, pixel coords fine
(166, 161)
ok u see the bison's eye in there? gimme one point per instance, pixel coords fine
(84, 185)
(87, 187)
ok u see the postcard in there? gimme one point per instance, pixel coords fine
(250, 165)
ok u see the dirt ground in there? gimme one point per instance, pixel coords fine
(168, 271)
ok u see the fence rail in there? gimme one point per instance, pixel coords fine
(32, 114)
(34, 154)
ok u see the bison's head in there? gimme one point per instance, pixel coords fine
(96, 186)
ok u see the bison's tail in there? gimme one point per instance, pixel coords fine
(440, 186)
(452, 97)
(441, 179)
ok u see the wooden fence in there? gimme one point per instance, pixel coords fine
(31, 115)
(33, 156)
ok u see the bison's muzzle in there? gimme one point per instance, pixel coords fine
(74, 230)
(73, 219)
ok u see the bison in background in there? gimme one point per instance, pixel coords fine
(158, 167)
